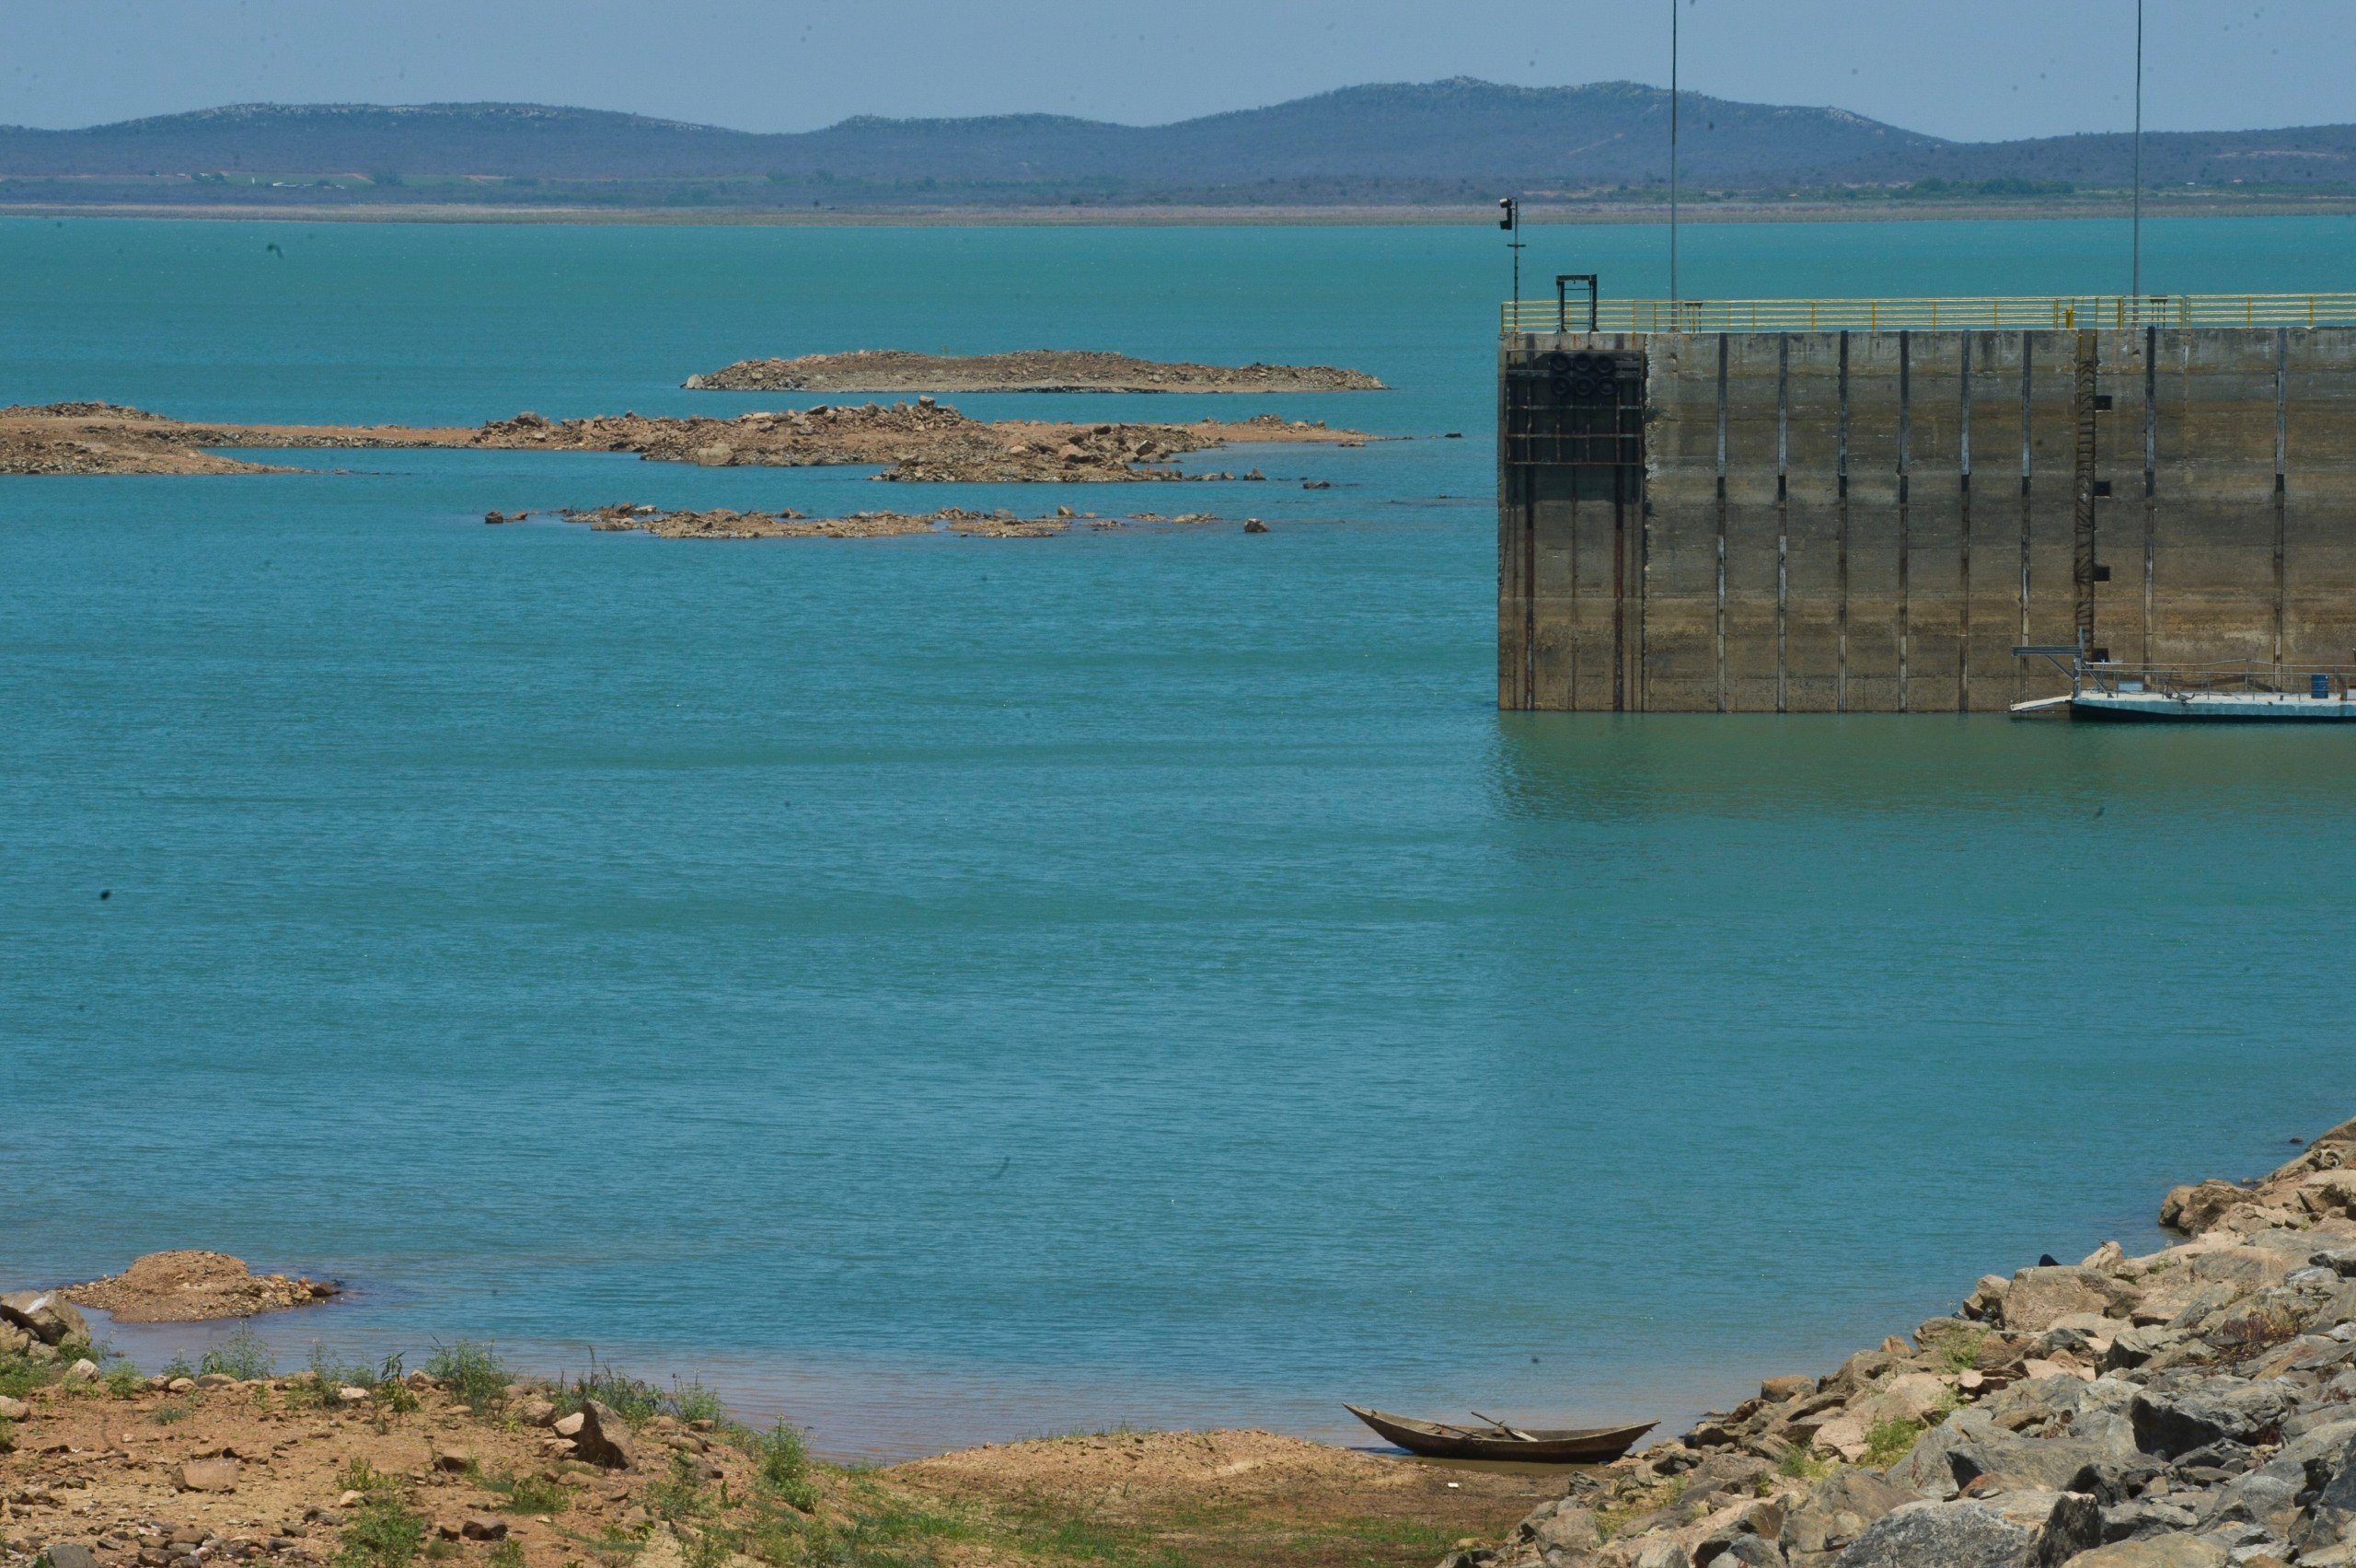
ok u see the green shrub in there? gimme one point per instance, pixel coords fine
(508, 1553)
(384, 1533)
(1888, 1442)
(177, 1410)
(125, 1380)
(784, 1460)
(242, 1356)
(470, 1369)
(178, 1366)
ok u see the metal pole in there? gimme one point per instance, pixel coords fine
(1672, 151)
(2135, 268)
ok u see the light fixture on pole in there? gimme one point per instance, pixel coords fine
(2135, 266)
(1511, 224)
(1672, 151)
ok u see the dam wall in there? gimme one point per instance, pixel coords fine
(1870, 520)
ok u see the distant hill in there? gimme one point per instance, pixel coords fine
(1440, 141)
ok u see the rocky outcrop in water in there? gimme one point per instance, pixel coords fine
(1031, 370)
(2193, 1408)
(194, 1286)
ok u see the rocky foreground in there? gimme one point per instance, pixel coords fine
(2188, 1409)
(1032, 370)
(922, 440)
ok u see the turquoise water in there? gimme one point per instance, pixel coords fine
(945, 989)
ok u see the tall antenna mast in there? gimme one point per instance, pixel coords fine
(2135, 267)
(1672, 150)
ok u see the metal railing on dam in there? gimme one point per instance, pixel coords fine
(1957, 313)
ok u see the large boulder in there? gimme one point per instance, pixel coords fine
(2154, 1551)
(1969, 1444)
(2039, 1295)
(604, 1437)
(1950, 1534)
(2175, 1423)
(45, 1315)
(1836, 1512)
(2200, 1205)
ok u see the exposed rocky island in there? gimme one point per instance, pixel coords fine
(192, 1288)
(919, 441)
(1031, 370)
(724, 523)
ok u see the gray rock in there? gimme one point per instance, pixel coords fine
(1565, 1530)
(70, 1554)
(2156, 1552)
(1838, 1511)
(2268, 1496)
(2115, 1480)
(1662, 1554)
(1753, 1551)
(2177, 1424)
(12, 1408)
(1969, 1444)
(1950, 1534)
(2134, 1521)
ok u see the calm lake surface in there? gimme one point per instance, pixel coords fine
(950, 990)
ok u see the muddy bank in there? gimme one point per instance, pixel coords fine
(1035, 370)
(921, 442)
(194, 1287)
(2191, 1407)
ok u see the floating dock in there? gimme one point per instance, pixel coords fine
(1866, 505)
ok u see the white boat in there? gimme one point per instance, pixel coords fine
(2272, 694)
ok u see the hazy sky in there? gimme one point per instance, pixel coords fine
(1965, 68)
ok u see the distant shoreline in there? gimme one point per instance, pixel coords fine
(1177, 217)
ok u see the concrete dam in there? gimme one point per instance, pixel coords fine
(1865, 506)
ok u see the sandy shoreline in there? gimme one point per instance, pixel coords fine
(2190, 1408)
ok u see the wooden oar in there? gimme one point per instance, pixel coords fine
(1508, 1431)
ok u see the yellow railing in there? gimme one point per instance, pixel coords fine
(2053, 312)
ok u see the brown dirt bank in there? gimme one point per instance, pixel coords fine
(118, 1471)
(919, 441)
(1035, 370)
(192, 1288)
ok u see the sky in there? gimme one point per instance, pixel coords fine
(1970, 69)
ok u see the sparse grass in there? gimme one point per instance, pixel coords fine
(1888, 1442)
(525, 1494)
(242, 1356)
(125, 1380)
(177, 1368)
(1799, 1464)
(361, 1476)
(508, 1553)
(1960, 1351)
(634, 1399)
(20, 1377)
(172, 1410)
(680, 1494)
(385, 1532)
(471, 1370)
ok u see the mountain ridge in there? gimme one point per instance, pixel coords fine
(1448, 140)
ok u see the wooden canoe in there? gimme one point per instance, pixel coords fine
(1540, 1446)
